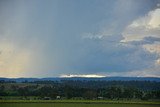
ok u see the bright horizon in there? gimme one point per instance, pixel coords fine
(85, 38)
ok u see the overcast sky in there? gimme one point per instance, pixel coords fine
(51, 38)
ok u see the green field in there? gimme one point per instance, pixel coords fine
(75, 103)
(84, 101)
(72, 105)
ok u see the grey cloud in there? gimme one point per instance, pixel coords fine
(145, 40)
(152, 39)
(52, 31)
(105, 56)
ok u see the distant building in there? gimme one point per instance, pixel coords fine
(47, 98)
(58, 97)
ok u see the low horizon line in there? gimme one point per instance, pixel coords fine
(82, 77)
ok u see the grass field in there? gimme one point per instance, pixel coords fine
(29, 104)
(82, 102)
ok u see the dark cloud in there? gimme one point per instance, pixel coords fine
(152, 39)
(146, 40)
(52, 31)
(105, 56)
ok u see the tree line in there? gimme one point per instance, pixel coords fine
(72, 89)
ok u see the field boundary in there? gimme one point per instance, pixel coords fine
(81, 102)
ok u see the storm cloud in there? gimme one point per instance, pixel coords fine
(53, 38)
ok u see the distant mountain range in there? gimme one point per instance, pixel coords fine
(82, 79)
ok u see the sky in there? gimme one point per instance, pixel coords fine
(79, 38)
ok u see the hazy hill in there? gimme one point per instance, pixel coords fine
(86, 79)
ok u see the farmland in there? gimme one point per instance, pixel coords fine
(72, 103)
